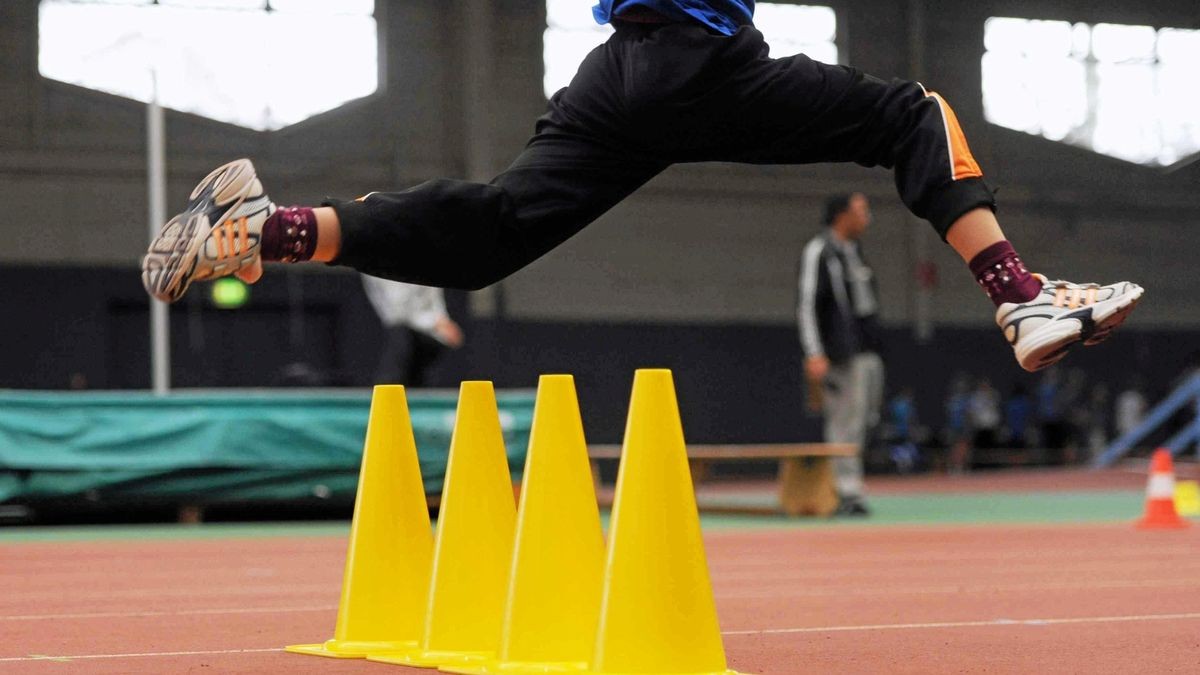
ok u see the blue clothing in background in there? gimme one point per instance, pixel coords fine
(1017, 412)
(902, 412)
(1047, 400)
(723, 16)
(956, 412)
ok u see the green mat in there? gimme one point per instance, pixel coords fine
(940, 509)
(983, 507)
(206, 447)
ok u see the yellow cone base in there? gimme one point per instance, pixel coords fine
(667, 673)
(434, 658)
(518, 667)
(345, 649)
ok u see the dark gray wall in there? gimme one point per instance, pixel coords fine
(459, 97)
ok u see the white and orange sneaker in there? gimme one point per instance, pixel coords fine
(218, 234)
(1042, 330)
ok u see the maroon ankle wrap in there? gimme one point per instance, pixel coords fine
(290, 235)
(1003, 276)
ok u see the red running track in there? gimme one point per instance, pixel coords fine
(995, 599)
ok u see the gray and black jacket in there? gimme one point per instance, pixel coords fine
(838, 306)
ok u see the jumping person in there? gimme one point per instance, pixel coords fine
(678, 81)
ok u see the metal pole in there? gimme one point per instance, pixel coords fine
(918, 230)
(476, 19)
(156, 184)
(1196, 426)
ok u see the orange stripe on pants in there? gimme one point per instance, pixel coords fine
(962, 163)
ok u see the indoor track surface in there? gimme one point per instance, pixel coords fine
(1064, 585)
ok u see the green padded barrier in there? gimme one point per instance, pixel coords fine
(216, 446)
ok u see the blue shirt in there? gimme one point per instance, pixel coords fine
(956, 412)
(1017, 413)
(1047, 401)
(723, 16)
(903, 411)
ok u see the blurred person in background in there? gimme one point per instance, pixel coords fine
(418, 331)
(1018, 409)
(1094, 421)
(1074, 401)
(957, 434)
(983, 414)
(1055, 430)
(839, 333)
(902, 431)
(1130, 408)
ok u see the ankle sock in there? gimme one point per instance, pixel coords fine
(290, 234)
(1003, 276)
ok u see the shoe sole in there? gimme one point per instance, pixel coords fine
(1089, 325)
(182, 238)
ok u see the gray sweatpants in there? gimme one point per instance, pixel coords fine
(853, 398)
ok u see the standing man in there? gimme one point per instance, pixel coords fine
(419, 331)
(838, 315)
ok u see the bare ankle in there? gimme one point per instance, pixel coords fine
(973, 232)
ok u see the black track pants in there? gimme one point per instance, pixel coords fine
(650, 97)
(408, 356)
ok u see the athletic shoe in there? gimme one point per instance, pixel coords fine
(853, 506)
(218, 234)
(1042, 330)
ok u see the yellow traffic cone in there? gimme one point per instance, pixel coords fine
(1187, 498)
(657, 614)
(558, 562)
(390, 556)
(473, 546)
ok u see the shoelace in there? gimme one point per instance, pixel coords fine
(1067, 294)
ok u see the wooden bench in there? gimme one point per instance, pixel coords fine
(806, 478)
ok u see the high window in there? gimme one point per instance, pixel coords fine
(1124, 91)
(790, 29)
(262, 64)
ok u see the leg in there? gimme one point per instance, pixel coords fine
(973, 232)
(873, 380)
(397, 356)
(446, 233)
(865, 397)
(426, 354)
(455, 234)
(842, 414)
(849, 472)
(579, 164)
(873, 384)
(795, 110)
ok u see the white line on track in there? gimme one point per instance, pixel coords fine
(40, 657)
(956, 589)
(330, 589)
(970, 624)
(765, 631)
(180, 612)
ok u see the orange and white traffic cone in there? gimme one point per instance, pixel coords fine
(1160, 495)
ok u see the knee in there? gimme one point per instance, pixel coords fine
(477, 272)
(478, 280)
